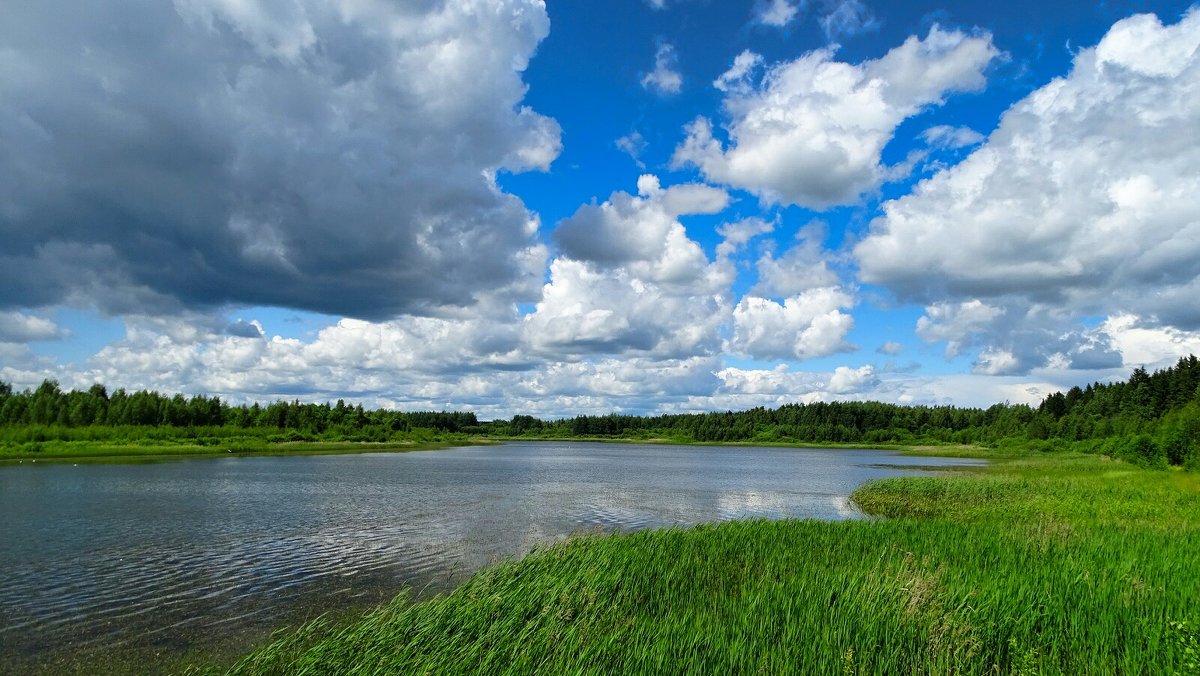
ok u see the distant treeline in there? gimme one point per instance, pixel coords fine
(48, 413)
(1153, 418)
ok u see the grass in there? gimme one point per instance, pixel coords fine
(1034, 565)
(926, 447)
(92, 451)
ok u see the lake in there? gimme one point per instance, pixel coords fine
(167, 557)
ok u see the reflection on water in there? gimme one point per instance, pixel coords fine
(160, 554)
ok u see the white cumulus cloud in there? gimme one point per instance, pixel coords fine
(630, 278)
(1081, 203)
(808, 325)
(812, 131)
(18, 327)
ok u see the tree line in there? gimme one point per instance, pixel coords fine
(49, 413)
(1153, 418)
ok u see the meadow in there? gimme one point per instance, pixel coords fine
(1037, 564)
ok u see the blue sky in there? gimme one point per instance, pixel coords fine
(646, 205)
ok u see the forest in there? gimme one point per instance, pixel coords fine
(1150, 418)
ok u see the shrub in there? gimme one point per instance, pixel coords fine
(1143, 450)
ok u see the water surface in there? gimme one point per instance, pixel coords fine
(165, 556)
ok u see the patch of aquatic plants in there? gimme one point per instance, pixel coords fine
(1039, 565)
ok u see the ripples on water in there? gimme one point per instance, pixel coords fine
(162, 554)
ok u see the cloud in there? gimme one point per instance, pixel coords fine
(417, 363)
(641, 229)
(956, 323)
(735, 236)
(18, 327)
(665, 78)
(1015, 340)
(946, 137)
(737, 78)
(846, 380)
(330, 157)
(633, 145)
(245, 329)
(846, 18)
(1149, 346)
(802, 267)
(586, 310)
(890, 348)
(482, 364)
(812, 131)
(805, 326)
(776, 12)
(741, 389)
(1081, 203)
(630, 278)
(391, 360)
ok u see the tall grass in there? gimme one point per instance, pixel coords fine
(1072, 565)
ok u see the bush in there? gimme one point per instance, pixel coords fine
(1143, 450)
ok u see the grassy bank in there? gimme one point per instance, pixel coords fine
(916, 448)
(92, 451)
(1033, 565)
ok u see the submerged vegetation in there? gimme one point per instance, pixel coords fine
(1037, 565)
(1152, 419)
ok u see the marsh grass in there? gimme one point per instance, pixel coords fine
(1073, 565)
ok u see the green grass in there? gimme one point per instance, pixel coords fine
(1034, 565)
(91, 451)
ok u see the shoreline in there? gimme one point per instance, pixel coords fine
(93, 452)
(134, 453)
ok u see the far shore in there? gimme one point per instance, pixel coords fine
(100, 452)
(90, 451)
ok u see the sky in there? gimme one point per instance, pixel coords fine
(636, 206)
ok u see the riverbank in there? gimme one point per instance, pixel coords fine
(89, 451)
(157, 450)
(1036, 564)
(669, 441)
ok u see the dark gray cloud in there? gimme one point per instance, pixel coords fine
(243, 329)
(159, 156)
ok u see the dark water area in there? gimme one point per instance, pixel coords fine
(159, 559)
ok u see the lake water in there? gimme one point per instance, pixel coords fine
(163, 557)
